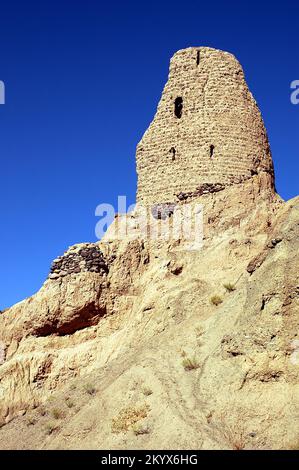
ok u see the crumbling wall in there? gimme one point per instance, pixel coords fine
(79, 258)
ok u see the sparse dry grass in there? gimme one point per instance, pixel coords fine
(31, 421)
(90, 389)
(128, 418)
(147, 391)
(199, 331)
(190, 363)
(231, 430)
(69, 403)
(50, 428)
(42, 411)
(141, 428)
(229, 287)
(216, 300)
(57, 413)
(238, 443)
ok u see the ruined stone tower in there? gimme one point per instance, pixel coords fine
(207, 130)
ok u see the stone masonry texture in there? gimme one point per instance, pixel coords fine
(207, 130)
(83, 258)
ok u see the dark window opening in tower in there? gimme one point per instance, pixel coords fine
(198, 58)
(212, 148)
(163, 211)
(178, 107)
(172, 151)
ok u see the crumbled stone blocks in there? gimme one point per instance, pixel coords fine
(86, 258)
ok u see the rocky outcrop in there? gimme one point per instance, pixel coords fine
(130, 330)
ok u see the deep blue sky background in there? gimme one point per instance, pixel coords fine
(83, 79)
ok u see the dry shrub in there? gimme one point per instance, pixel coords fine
(128, 417)
(190, 363)
(216, 300)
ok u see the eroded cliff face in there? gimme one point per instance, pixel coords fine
(142, 343)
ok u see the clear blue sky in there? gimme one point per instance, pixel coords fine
(83, 79)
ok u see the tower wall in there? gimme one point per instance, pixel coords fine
(207, 129)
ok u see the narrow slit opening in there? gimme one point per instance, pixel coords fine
(212, 148)
(172, 151)
(198, 58)
(178, 107)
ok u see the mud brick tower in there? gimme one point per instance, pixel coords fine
(207, 130)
